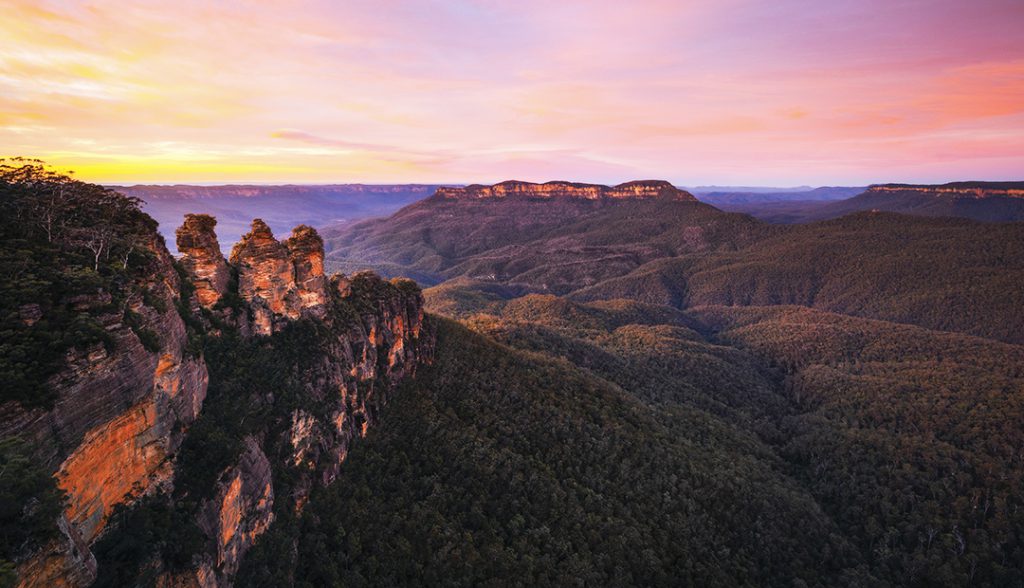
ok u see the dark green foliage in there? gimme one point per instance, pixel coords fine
(910, 439)
(499, 467)
(907, 438)
(30, 504)
(149, 339)
(252, 383)
(944, 274)
(68, 251)
(153, 525)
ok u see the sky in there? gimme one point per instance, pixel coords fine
(728, 92)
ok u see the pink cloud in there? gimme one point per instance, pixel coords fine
(730, 91)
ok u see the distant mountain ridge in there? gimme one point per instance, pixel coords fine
(686, 253)
(638, 189)
(956, 186)
(973, 189)
(980, 201)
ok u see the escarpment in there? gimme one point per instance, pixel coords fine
(636, 190)
(975, 190)
(315, 386)
(306, 373)
(221, 392)
(119, 415)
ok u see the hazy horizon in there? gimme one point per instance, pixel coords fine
(795, 188)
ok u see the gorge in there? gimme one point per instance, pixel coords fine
(601, 385)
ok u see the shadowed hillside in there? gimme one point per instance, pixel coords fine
(907, 437)
(878, 265)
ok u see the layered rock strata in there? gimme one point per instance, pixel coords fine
(373, 335)
(120, 414)
(974, 190)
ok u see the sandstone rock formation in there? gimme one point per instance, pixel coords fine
(960, 189)
(377, 340)
(239, 513)
(641, 189)
(278, 280)
(123, 409)
(202, 259)
(306, 252)
(266, 278)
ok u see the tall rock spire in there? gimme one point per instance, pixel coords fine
(202, 259)
(306, 250)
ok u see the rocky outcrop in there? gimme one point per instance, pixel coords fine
(266, 278)
(280, 281)
(306, 252)
(120, 414)
(239, 513)
(372, 333)
(974, 190)
(123, 409)
(64, 562)
(202, 259)
(636, 190)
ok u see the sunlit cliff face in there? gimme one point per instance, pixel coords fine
(733, 91)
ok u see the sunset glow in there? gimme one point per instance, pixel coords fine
(701, 91)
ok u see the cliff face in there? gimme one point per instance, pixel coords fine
(976, 190)
(368, 335)
(980, 201)
(642, 189)
(123, 409)
(120, 414)
(306, 253)
(373, 334)
(241, 511)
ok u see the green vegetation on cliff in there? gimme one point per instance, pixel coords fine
(30, 504)
(69, 252)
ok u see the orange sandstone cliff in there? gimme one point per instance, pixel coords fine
(123, 411)
(120, 415)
